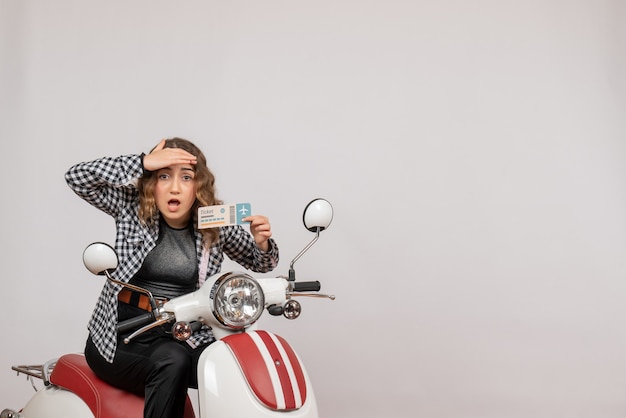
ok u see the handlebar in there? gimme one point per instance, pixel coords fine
(134, 323)
(313, 286)
(149, 320)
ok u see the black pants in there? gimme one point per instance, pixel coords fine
(155, 366)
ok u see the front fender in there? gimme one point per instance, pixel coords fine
(240, 376)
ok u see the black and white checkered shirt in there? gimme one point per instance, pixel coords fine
(109, 185)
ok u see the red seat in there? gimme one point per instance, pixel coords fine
(105, 401)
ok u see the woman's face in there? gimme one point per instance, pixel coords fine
(175, 194)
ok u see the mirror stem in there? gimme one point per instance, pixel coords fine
(292, 272)
(135, 288)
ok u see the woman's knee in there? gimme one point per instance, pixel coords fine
(171, 361)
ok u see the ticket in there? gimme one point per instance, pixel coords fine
(223, 215)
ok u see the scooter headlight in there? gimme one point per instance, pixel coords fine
(238, 300)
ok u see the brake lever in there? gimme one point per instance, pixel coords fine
(311, 295)
(164, 319)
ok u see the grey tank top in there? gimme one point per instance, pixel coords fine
(171, 268)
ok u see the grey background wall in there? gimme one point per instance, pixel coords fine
(474, 153)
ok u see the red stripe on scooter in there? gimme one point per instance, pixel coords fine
(253, 366)
(297, 369)
(258, 350)
(283, 375)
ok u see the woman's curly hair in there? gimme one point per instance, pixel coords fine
(205, 189)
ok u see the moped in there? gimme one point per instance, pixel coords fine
(246, 372)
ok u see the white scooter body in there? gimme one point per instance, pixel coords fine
(54, 401)
(224, 387)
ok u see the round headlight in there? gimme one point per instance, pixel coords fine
(238, 300)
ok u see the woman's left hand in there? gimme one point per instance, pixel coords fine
(260, 229)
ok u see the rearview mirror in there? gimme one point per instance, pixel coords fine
(99, 258)
(318, 215)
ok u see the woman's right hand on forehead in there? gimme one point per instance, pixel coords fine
(161, 157)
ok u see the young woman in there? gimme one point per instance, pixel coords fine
(154, 200)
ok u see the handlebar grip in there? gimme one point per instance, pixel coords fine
(134, 323)
(307, 286)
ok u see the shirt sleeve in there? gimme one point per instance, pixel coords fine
(240, 247)
(105, 183)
